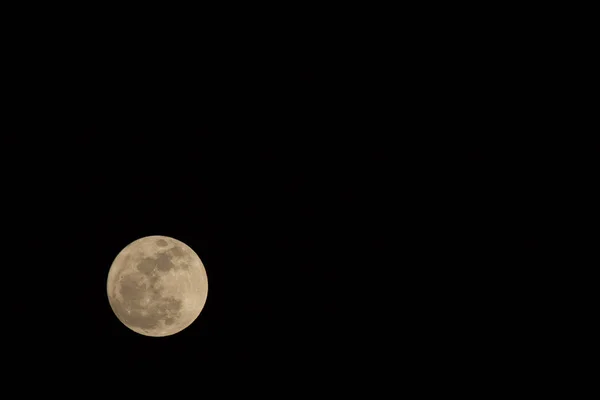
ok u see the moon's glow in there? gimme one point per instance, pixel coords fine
(157, 286)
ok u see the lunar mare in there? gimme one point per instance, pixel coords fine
(157, 286)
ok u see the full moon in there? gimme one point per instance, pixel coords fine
(157, 286)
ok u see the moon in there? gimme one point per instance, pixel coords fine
(157, 286)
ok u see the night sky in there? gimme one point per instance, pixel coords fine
(258, 169)
(334, 206)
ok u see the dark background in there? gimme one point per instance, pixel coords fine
(266, 169)
(356, 217)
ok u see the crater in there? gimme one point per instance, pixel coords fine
(157, 294)
(177, 251)
(161, 243)
(169, 305)
(134, 311)
(163, 263)
(132, 290)
(146, 266)
(155, 288)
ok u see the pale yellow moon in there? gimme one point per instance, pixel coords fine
(157, 286)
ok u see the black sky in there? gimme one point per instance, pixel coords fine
(333, 197)
(257, 167)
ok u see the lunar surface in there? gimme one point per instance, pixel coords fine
(157, 286)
